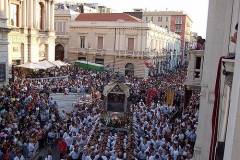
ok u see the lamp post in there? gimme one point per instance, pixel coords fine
(88, 53)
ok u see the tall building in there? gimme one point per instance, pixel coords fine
(3, 49)
(32, 36)
(122, 42)
(216, 76)
(174, 21)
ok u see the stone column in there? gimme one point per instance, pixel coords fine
(48, 15)
(1, 8)
(52, 16)
(24, 7)
(34, 14)
(6, 6)
(30, 13)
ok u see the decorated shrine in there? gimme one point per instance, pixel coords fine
(117, 115)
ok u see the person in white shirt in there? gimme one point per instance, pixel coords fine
(19, 156)
(49, 154)
(75, 153)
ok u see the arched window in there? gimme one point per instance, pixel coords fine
(40, 12)
(129, 69)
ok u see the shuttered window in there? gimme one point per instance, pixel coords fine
(100, 42)
(130, 44)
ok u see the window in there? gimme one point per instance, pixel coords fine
(99, 61)
(100, 43)
(14, 15)
(82, 42)
(152, 18)
(178, 29)
(179, 20)
(166, 18)
(82, 58)
(146, 18)
(159, 19)
(129, 69)
(130, 44)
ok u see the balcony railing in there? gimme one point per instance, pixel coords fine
(178, 22)
(120, 53)
(178, 30)
(195, 68)
(62, 33)
(13, 29)
(49, 79)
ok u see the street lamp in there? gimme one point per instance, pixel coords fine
(88, 53)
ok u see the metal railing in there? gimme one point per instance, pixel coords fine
(49, 79)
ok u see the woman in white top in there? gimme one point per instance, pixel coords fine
(49, 154)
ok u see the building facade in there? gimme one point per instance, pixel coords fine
(122, 42)
(218, 129)
(61, 26)
(32, 36)
(174, 21)
(3, 50)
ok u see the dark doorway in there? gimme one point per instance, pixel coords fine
(59, 52)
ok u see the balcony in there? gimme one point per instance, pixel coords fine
(195, 68)
(62, 33)
(78, 50)
(119, 53)
(178, 30)
(229, 65)
(178, 22)
(14, 29)
(99, 52)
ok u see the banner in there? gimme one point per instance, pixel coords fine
(150, 96)
(170, 97)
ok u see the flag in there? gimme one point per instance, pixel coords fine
(170, 97)
(150, 96)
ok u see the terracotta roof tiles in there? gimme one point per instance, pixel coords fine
(106, 17)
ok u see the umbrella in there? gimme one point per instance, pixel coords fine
(31, 65)
(46, 64)
(59, 63)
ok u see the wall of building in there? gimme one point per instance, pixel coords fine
(32, 36)
(220, 20)
(149, 40)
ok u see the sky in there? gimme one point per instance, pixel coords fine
(197, 10)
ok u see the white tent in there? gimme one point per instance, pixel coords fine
(46, 64)
(31, 65)
(59, 63)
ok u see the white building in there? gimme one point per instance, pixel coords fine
(218, 129)
(123, 41)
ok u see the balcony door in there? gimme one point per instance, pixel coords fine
(130, 44)
(100, 43)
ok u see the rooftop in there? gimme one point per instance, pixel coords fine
(106, 17)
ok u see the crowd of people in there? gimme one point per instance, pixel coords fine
(31, 120)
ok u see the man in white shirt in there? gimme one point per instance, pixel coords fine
(75, 153)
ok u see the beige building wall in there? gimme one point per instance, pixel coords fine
(148, 41)
(222, 17)
(61, 26)
(4, 79)
(159, 18)
(32, 36)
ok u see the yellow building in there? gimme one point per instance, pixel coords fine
(32, 36)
